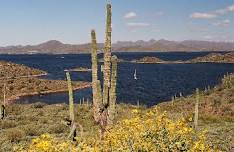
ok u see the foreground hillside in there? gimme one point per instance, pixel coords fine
(216, 112)
(216, 116)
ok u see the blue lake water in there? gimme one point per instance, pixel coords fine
(156, 83)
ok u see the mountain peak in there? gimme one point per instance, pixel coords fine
(51, 44)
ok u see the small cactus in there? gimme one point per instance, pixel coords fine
(172, 100)
(138, 104)
(3, 105)
(71, 122)
(2, 111)
(196, 109)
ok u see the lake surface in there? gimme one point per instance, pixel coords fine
(155, 83)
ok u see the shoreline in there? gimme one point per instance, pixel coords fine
(180, 62)
(26, 76)
(12, 99)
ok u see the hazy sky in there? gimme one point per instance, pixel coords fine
(70, 21)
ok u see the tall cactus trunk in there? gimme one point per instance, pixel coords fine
(107, 57)
(196, 109)
(104, 100)
(71, 100)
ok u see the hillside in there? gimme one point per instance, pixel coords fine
(56, 47)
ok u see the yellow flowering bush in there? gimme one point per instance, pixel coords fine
(142, 133)
(153, 132)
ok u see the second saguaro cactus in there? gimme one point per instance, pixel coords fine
(3, 105)
(104, 100)
(71, 100)
(196, 109)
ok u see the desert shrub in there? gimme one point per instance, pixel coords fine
(231, 101)
(14, 135)
(149, 132)
(31, 130)
(57, 128)
(155, 132)
(38, 82)
(11, 88)
(38, 105)
(14, 109)
(7, 124)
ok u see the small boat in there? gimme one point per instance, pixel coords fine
(62, 57)
(135, 76)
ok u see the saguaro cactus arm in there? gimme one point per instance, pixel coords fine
(112, 102)
(94, 57)
(107, 57)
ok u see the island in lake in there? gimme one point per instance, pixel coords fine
(215, 58)
(79, 69)
(210, 58)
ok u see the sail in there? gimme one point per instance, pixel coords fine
(135, 76)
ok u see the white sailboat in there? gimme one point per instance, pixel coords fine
(135, 75)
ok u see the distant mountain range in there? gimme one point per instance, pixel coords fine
(56, 47)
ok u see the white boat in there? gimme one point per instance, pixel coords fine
(135, 75)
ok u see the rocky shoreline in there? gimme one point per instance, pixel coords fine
(12, 99)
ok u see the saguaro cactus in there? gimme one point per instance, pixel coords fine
(3, 104)
(104, 101)
(196, 109)
(96, 101)
(71, 121)
(71, 100)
